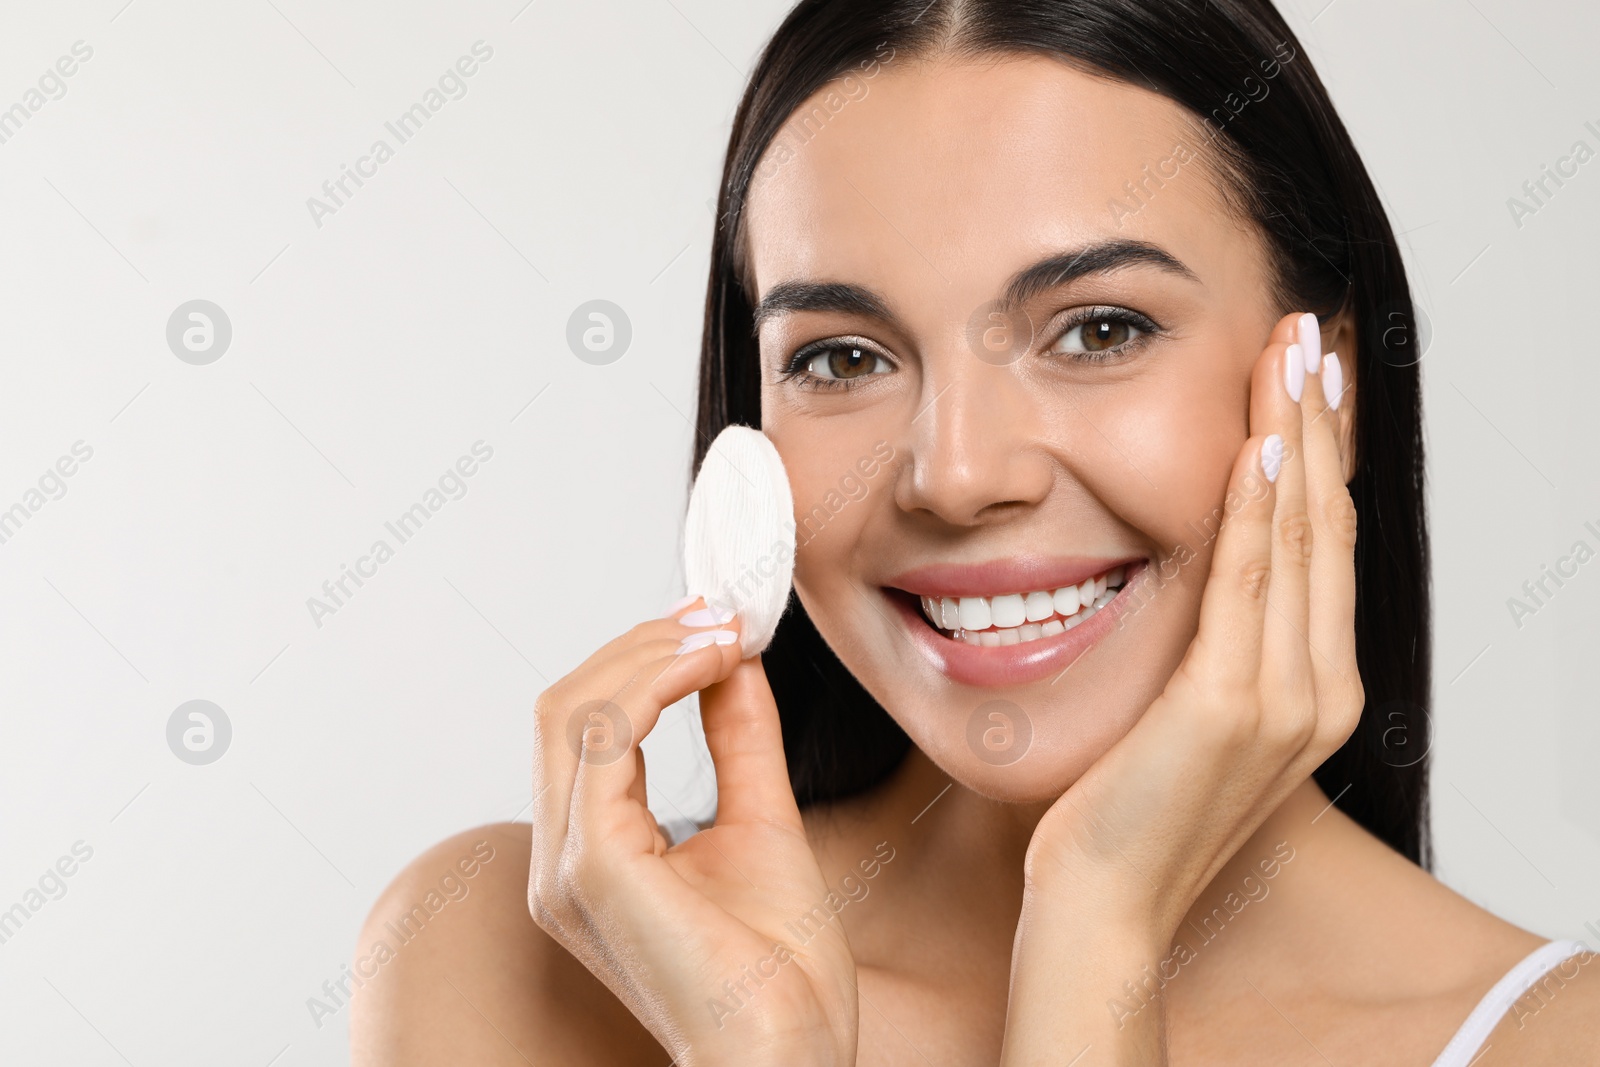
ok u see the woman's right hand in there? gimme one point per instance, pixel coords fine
(697, 939)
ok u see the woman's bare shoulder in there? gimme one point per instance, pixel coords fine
(1556, 1023)
(451, 968)
(1469, 949)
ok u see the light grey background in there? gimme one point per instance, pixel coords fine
(430, 312)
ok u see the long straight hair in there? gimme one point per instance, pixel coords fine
(1290, 166)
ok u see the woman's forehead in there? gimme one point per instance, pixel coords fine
(958, 170)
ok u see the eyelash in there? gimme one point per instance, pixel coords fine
(794, 370)
(1126, 316)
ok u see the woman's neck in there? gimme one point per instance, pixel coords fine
(952, 848)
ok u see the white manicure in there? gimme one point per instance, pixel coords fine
(1332, 379)
(1311, 341)
(706, 637)
(1294, 372)
(1271, 456)
(715, 615)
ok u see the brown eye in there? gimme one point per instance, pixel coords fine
(841, 362)
(1103, 336)
(850, 362)
(1105, 333)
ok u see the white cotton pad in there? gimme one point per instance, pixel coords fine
(738, 543)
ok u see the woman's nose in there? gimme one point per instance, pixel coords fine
(977, 453)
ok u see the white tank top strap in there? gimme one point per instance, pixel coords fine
(1468, 1042)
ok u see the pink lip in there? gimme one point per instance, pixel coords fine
(1019, 664)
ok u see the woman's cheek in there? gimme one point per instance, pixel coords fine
(824, 463)
(1169, 448)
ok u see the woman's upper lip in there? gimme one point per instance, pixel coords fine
(997, 577)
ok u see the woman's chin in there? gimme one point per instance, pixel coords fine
(1025, 769)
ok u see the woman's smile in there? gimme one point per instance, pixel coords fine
(1053, 611)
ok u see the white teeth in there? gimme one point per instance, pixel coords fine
(1015, 618)
(974, 613)
(1039, 606)
(1007, 611)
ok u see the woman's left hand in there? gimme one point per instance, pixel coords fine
(1267, 690)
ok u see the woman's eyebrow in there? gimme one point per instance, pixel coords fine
(1064, 267)
(787, 297)
(1056, 269)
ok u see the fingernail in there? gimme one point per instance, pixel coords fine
(708, 616)
(678, 605)
(1294, 372)
(1332, 379)
(1271, 456)
(1311, 341)
(704, 638)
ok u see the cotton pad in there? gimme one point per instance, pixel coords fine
(739, 537)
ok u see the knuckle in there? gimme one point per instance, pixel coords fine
(544, 887)
(1352, 707)
(1254, 578)
(542, 903)
(1338, 716)
(1293, 534)
(1294, 727)
(644, 632)
(552, 898)
(1339, 513)
(547, 708)
(577, 871)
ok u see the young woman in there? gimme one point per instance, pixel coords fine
(1095, 732)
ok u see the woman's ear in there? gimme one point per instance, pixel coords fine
(1339, 335)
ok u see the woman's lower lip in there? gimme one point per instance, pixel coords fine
(998, 666)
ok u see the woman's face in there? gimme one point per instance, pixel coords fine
(961, 426)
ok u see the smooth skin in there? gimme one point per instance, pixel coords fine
(1169, 769)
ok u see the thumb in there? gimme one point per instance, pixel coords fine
(742, 731)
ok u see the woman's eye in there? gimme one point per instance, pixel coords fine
(841, 363)
(1100, 334)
